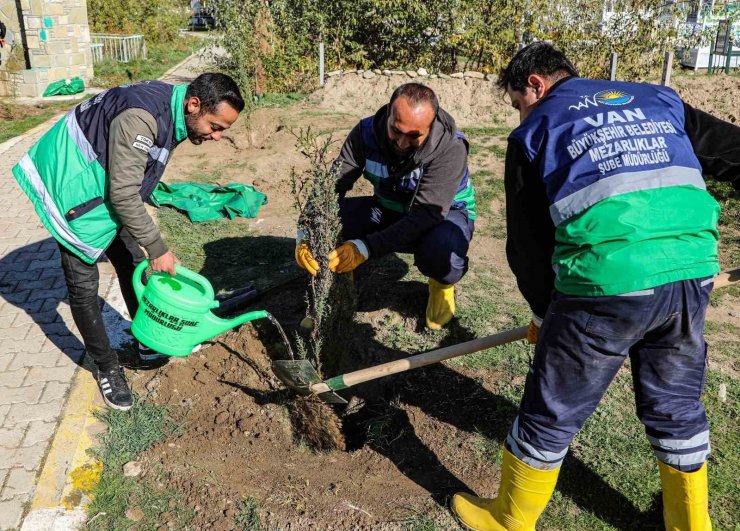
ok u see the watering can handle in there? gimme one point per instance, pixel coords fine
(180, 271)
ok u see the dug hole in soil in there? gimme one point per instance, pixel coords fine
(415, 442)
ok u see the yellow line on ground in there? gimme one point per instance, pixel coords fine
(71, 440)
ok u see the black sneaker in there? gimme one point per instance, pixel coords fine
(147, 354)
(114, 389)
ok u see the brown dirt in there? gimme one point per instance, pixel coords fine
(421, 435)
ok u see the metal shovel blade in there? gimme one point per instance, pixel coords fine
(299, 375)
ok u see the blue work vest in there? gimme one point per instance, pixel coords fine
(397, 192)
(626, 191)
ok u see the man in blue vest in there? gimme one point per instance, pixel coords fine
(417, 162)
(613, 239)
(88, 178)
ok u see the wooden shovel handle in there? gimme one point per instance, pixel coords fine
(419, 360)
(453, 351)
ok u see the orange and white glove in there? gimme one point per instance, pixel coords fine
(303, 255)
(533, 332)
(348, 256)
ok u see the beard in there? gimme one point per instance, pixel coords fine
(190, 121)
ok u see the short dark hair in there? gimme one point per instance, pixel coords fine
(416, 93)
(537, 58)
(212, 89)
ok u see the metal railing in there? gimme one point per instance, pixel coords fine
(120, 48)
(96, 49)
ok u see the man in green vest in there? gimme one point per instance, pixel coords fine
(423, 201)
(88, 178)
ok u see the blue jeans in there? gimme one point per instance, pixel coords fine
(582, 344)
(440, 253)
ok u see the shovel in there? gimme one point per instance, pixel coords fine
(301, 376)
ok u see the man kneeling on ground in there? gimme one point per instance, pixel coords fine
(424, 203)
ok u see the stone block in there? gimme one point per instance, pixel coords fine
(19, 482)
(12, 379)
(60, 61)
(474, 75)
(36, 7)
(10, 514)
(33, 22)
(45, 374)
(6, 455)
(11, 437)
(38, 432)
(78, 15)
(41, 61)
(5, 360)
(53, 8)
(16, 332)
(25, 413)
(30, 77)
(26, 360)
(29, 457)
(29, 394)
(78, 58)
(33, 42)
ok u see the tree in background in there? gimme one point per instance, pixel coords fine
(158, 21)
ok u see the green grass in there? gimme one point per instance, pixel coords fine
(227, 252)
(247, 517)
(160, 58)
(20, 118)
(473, 132)
(129, 433)
(278, 100)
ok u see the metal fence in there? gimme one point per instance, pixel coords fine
(120, 48)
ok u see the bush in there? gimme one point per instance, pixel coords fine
(158, 21)
(273, 47)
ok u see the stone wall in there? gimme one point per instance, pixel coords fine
(57, 37)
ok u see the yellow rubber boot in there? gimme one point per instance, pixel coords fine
(441, 304)
(522, 497)
(685, 499)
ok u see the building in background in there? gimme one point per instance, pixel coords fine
(47, 40)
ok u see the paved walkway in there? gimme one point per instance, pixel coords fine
(39, 345)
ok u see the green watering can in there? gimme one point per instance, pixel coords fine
(174, 314)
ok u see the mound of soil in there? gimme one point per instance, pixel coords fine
(472, 102)
(238, 442)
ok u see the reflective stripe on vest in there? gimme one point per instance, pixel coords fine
(592, 140)
(56, 218)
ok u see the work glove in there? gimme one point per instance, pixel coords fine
(303, 256)
(533, 332)
(348, 256)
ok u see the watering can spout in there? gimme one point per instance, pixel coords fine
(218, 325)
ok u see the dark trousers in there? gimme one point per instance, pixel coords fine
(582, 344)
(440, 253)
(82, 284)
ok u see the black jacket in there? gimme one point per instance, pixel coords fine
(444, 159)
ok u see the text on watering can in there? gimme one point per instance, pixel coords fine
(160, 316)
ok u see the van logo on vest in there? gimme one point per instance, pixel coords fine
(609, 97)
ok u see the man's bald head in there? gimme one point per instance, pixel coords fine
(411, 113)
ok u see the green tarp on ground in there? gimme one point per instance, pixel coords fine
(206, 202)
(65, 87)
